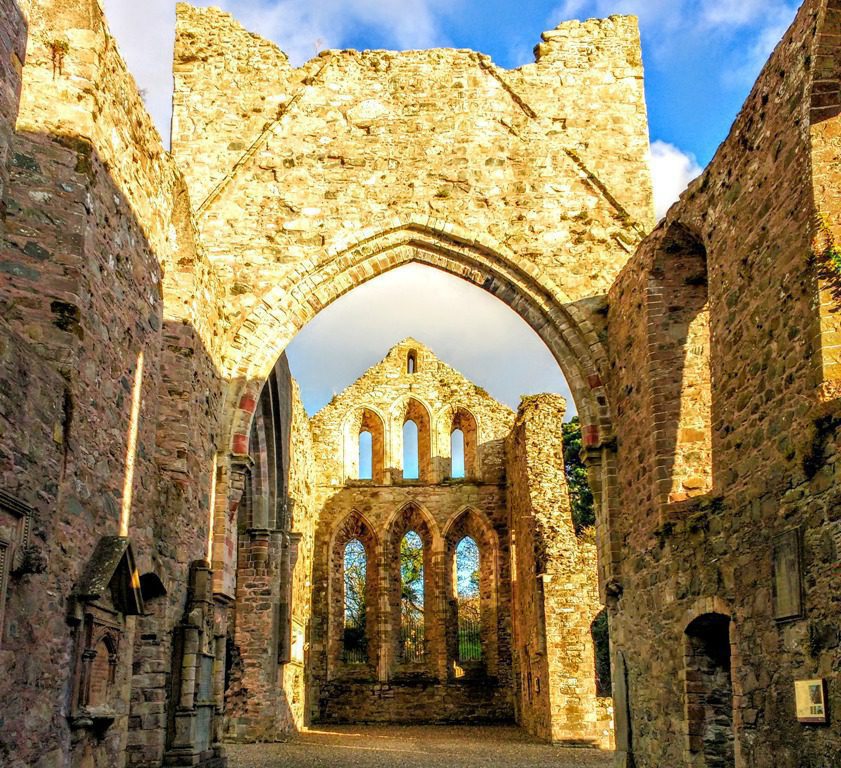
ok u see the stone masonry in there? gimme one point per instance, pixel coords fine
(167, 574)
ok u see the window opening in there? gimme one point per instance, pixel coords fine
(366, 455)
(709, 691)
(412, 362)
(468, 598)
(457, 453)
(355, 643)
(410, 450)
(411, 598)
(600, 633)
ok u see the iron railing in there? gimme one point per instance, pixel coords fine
(411, 638)
(354, 645)
(469, 639)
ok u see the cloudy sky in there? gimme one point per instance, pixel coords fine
(701, 57)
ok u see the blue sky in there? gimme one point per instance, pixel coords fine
(701, 58)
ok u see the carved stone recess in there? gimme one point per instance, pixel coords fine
(107, 593)
(15, 525)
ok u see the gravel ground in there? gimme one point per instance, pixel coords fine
(413, 747)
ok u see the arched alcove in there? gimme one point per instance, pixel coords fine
(679, 358)
(414, 421)
(464, 421)
(364, 430)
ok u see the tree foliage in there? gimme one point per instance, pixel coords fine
(581, 497)
(355, 581)
(411, 575)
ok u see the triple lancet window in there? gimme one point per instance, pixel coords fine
(413, 597)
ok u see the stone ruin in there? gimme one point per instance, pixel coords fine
(172, 523)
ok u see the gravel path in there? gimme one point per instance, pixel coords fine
(413, 747)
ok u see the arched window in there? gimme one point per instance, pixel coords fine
(457, 453)
(464, 424)
(471, 632)
(364, 446)
(355, 572)
(410, 450)
(417, 441)
(366, 455)
(412, 362)
(411, 598)
(600, 634)
(468, 599)
(679, 328)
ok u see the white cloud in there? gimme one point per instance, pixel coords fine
(464, 325)
(145, 33)
(671, 171)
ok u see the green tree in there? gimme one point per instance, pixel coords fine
(581, 497)
(411, 575)
(355, 580)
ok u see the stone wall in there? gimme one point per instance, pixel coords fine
(265, 691)
(759, 217)
(555, 594)
(531, 183)
(97, 236)
(379, 512)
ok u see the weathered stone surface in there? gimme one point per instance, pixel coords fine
(146, 300)
(697, 528)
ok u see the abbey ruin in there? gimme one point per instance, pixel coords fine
(177, 535)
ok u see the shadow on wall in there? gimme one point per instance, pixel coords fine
(78, 274)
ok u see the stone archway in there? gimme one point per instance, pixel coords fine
(568, 328)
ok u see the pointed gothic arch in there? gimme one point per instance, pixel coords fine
(354, 527)
(471, 522)
(568, 328)
(409, 518)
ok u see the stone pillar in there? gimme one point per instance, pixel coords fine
(193, 735)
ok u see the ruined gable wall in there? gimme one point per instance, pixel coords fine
(384, 692)
(774, 465)
(555, 592)
(374, 139)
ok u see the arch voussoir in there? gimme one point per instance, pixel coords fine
(311, 287)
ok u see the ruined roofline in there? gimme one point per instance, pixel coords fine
(405, 344)
(550, 39)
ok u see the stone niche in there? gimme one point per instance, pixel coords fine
(108, 592)
(15, 553)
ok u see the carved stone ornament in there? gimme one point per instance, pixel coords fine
(108, 591)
